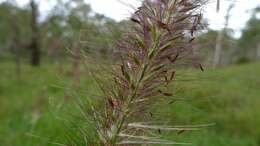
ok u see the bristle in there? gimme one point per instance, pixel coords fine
(135, 20)
(172, 75)
(201, 67)
(151, 114)
(180, 132)
(159, 131)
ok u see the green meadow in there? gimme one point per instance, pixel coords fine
(34, 109)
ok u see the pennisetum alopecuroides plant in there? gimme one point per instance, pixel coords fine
(161, 35)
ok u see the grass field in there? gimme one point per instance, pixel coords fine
(34, 108)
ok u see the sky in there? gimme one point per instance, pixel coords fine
(118, 10)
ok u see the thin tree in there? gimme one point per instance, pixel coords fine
(16, 43)
(219, 40)
(258, 51)
(16, 40)
(249, 41)
(35, 37)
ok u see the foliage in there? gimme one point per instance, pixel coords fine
(68, 23)
(249, 42)
(6, 35)
(73, 23)
(243, 60)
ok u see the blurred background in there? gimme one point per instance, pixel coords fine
(44, 51)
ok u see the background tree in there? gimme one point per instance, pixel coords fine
(220, 37)
(16, 42)
(249, 42)
(14, 25)
(206, 43)
(35, 36)
(5, 27)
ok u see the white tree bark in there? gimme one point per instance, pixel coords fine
(258, 51)
(220, 37)
(218, 49)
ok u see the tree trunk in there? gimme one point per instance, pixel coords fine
(218, 49)
(220, 37)
(16, 43)
(258, 51)
(35, 47)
